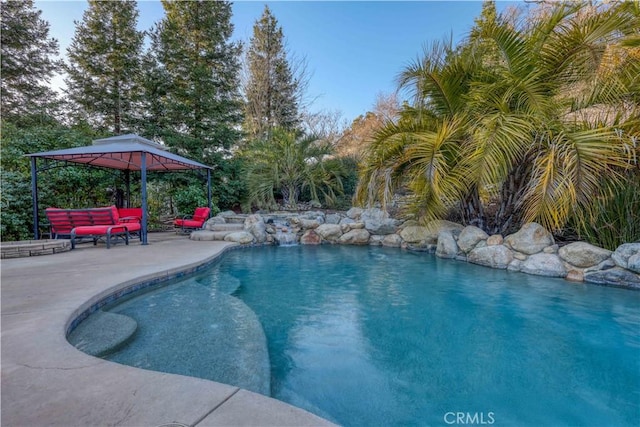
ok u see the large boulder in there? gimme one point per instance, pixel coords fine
(447, 246)
(392, 241)
(469, 238)
(310, 237)
(542, 264)
(216, 220)
(377, 221)
(634, 263)
(491, 256)
(623, 252)
(355, 237)
(386, 226)
(330, 232)
(373, 214)
(308, 224)
(583, 255)
(414, 234)
(255, 225)
(408, 223)
(344, 221)
(428, 234)
(530, 239)
(616, 276)
(354, 213)
(376, 240)
(242, 237)
(333, 218)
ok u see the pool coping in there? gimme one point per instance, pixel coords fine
(47, 381)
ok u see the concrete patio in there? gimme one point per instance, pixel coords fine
(47, 381)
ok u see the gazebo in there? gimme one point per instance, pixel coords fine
(124, 152)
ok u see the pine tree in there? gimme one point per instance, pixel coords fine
(271, 89)
(104, 65)
(27, 61)
(155, 83)
(202, 103)
(196, 75)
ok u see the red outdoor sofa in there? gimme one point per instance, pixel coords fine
(95, 223)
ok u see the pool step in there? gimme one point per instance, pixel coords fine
(102, 333)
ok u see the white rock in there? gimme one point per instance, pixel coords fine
(447, 246)
(623, 252)
(354, 213)
(530, 239)
(583, 255)
(242, 237)
(392, 241)
(542, 264)
(491, 256)
(633, 263)
(355, 237)
(470, 236)
(330, 232)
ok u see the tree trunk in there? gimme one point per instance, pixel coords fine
(473, 211)
(508, 215)
(290, 195)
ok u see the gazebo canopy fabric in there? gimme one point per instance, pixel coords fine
(123, 152)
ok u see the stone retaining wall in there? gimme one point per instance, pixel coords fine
(25, 248)
(531, 250)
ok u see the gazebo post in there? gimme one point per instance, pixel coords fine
(143, 178)
(127, 181)
(209, 189)
(34, 196)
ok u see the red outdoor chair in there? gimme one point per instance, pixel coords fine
(193, 222)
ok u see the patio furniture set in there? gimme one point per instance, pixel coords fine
(110, 223)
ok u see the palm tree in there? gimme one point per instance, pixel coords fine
(534, 130)
(287, 164)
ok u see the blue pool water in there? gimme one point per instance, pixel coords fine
(378, 337)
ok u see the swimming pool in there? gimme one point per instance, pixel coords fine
(376, 336)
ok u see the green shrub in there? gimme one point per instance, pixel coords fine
(610, 222)
(189, 198)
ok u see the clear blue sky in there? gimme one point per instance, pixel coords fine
(354, 50)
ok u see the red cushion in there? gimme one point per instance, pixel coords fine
(129, 213)
(189, 223)
(201, 213)
(114, 212)
(98, 229)
(132, 226)
(58, 220)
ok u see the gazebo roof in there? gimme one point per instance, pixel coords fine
(124, 152)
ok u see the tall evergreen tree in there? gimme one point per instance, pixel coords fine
(203, 104)
(27, 61)
(155, 84)
(104, 65)
(198, 75)
(271, 89)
